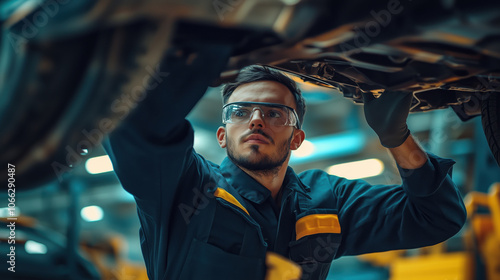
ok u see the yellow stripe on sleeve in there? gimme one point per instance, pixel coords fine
(317, 223)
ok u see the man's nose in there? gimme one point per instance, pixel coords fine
(257, 119)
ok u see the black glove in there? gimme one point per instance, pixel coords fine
(387, 115)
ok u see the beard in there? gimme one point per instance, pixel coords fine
(258, 162)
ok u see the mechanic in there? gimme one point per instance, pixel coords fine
(200, 220)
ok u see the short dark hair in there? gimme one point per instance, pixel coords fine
(257, 73)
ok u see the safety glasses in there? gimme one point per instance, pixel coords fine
(273, 114)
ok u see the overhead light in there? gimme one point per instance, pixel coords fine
(330, 146)
(92, 213)
(306, 149)
(33, 247)
(203, 139)
(97, 165)
(357, 169)
(290, 2)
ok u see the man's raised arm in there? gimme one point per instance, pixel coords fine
(156, 135)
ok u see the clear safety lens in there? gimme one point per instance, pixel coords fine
(271, 113)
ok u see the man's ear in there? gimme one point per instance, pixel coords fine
(298, 137)
(221, 136)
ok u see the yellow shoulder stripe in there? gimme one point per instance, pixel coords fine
(317, 223)
(222, 193)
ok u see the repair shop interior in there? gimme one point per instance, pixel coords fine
(71, 72)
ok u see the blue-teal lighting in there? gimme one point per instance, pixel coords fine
(331, 146)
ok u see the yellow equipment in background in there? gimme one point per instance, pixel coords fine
(481, 236)
(110, 263)
(435, 266)
(485, 228)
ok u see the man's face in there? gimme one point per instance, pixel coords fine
(258, 145)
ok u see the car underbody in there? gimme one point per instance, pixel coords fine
(63, 63)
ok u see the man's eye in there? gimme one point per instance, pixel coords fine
(274, 114)
(240, 113)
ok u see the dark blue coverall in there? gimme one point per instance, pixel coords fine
(200, 220)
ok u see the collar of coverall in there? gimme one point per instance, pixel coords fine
(252, 190)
